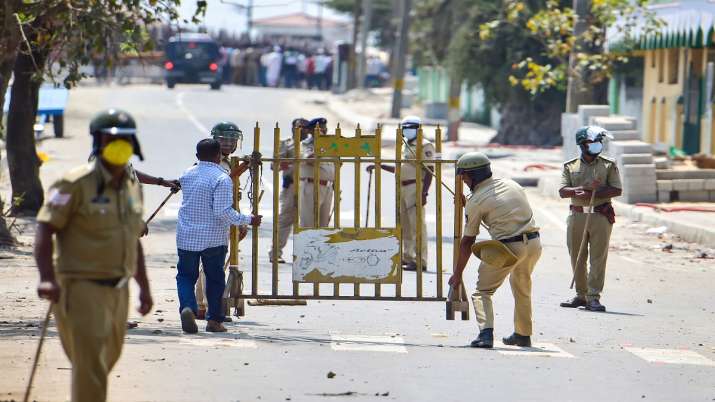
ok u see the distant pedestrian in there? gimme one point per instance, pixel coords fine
(273, 63)
(205, 216)
(501, 205)
(94, 214)
(580, 178)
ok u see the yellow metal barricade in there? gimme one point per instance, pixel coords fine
(338, 245)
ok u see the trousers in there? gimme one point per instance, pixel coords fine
(491, 278)
(408, 220)
(589, 283)
(285, 219)
(325, 200)
(92, 321)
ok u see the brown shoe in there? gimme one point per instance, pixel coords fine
(215, 326)
(201, 315)
(574, 303)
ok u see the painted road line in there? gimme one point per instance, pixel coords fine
(367, 343)
(189, 115)
(218, 342)
(671, 356)
(559, 223)
(538, 349)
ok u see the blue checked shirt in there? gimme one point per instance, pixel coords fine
(206, 212)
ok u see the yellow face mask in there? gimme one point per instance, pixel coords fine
(118, 152)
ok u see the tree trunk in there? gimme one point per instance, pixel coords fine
(21, 153)
(530, 122)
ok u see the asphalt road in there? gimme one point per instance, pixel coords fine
(655, 343)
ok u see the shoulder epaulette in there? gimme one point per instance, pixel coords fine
(78, 172)
(571, 160)
(612, 160)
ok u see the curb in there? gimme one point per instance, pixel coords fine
(689, 232)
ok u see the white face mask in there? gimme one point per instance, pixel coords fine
(595, 148)
(409, 133)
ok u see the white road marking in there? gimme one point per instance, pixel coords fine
(219, 342)
(555, 220)
(192, 118)
(538, 349)
(367, 343)
(671, 356)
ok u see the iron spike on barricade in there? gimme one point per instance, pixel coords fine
(457, 302)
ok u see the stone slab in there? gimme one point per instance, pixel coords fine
(670, 174)
(636, 159)
(664, 185)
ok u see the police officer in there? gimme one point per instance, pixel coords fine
(326, 177)
(94, 213)
(287, 201)
(581, 177)
(501, 205)
(228, 135)
(408, 193)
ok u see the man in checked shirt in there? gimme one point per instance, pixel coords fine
(205, 216)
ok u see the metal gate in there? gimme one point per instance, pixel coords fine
(357, 150)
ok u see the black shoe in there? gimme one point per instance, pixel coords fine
(409, 266)
(595, 305)
(188, 321)
(227, 319)
(573, 303)
(518, 340)
(485, 339)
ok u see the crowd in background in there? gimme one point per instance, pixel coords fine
(274, 66)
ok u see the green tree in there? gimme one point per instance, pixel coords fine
(484, 51)
(382, 23)
(64, 35)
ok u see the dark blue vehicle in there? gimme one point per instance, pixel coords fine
(193, 59)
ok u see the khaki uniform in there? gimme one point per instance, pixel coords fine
(578, 172)
(326, 176)
(98, 228)
(408, 204)
(503, 207)
(287, 200)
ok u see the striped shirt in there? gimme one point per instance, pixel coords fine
(206, 212)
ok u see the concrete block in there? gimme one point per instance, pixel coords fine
(663, 196)
(638, 170)
(664, 185)
(662, 163)
(694, 196)
(636, 159)
(626, 135)
(630, 147)
(709, 184)
(680, 185)
(670, 174)
(586, 112)
(696, 184)
(613, 123)
(632, 198)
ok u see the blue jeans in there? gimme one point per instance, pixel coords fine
(213, 259)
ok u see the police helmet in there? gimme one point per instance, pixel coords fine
(591, 133)
(114, 122)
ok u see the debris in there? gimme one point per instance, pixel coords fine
(160, 319)
(703, 254)
(668, 248)
(649, 301)
(132, 324)
(156, 332)
(657, 230)
(331, 374)
(268, 302)
(572, 340)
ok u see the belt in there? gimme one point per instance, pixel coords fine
(408, 182)
(322, 182)
(110, 283)
(520, 237)
(587, 210)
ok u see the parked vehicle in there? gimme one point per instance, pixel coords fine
(193, 59)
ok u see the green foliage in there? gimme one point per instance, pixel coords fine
(552, 26)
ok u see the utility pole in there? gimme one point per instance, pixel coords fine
(398, 76)
(249, 20)
(366, 20)
(320, 20)
(578, 91)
